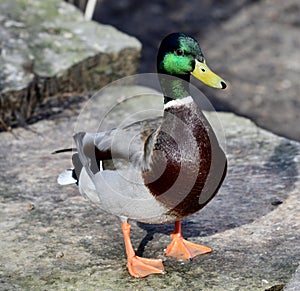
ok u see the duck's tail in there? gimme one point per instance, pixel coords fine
(67, 177)
(70, 176)
(64, 150)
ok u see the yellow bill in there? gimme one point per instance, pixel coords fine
(208, 77)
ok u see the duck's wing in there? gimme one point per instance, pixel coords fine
(130, 144)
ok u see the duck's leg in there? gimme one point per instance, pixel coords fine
(182, 249)
(137, 266)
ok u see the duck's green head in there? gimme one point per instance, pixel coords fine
(180, 55)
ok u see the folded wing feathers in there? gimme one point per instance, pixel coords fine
(133, 143)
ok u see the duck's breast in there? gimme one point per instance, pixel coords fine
(188, 165)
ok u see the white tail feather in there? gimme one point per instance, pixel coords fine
(66, 178)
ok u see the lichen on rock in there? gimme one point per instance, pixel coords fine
(48, 48)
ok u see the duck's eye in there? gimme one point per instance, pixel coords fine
(179, 52)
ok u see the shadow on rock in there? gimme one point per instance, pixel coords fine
(267, 185)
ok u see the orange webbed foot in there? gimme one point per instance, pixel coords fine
(141, 267)
(182, 249)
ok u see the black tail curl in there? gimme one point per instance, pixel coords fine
(64, 150)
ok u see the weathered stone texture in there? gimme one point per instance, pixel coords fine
(47, 48)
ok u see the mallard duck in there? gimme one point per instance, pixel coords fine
(174, 167)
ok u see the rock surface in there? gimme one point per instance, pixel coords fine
(294, 283)
(53, 239)
(46, 48)
(262, 62)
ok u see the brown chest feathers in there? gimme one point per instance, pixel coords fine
(188, 165)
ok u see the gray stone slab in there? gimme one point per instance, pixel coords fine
(294, 283)
(259, 54)
(53, 239)
(48, 48)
